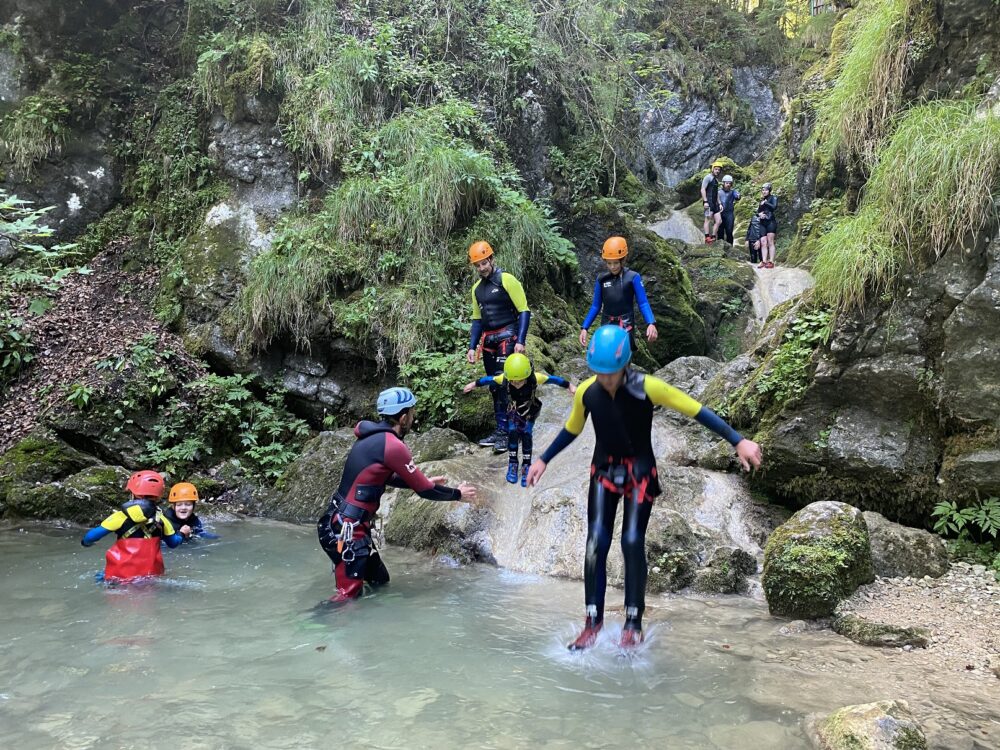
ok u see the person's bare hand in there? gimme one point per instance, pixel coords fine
(749, 454)
(469, 492)
(651, 333)
(441, 479)
(583, 337)
(572, 388)
(185, 531)
(469, 387)
(471, 356)
(519, 348)
(536, 471)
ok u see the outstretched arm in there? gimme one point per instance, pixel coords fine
(595, 306)
(398, 458)
(573, 427)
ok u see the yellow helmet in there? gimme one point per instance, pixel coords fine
(183, 492)
(717, 163)
(517, 367)
(615, 248)
(479, 251)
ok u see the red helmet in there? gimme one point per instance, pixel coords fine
(146, 483)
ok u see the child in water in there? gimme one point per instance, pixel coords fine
(182, 499)
(139, 526)
(523, 407)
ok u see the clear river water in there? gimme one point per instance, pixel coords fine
(230, 650)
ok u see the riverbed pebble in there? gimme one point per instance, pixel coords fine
(961, 609)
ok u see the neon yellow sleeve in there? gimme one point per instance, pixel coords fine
(114, 521)
(498, 379)
(541, 378)
(662, 394)
(168, 528)
(476, 314)
(578, 415)
(516, 292)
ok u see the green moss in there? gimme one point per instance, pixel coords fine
(671, 571)
(85, 497)
(422, 525)
(869, 633)
(38, 458)
(810, 567)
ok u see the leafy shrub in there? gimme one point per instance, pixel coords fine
(979, 521)
(16, 349)
(786, 373)
(217, 416)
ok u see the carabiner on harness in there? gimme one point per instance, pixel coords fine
(345, 539)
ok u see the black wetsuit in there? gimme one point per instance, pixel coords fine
(193, 521)
(768, 206)
(378, 458)
(624, 466)
(500, 317)
(728, 200)
(755, 230)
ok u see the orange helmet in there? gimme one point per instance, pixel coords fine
(615, 248)
(183, 492)
(146, 483)
(479, 251)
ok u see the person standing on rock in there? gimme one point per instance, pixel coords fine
(766, 213)
(710, 202)
(378, 458)
(500, 317)
(620, 402)
(615, 295)
(755, 233)
(727, 199)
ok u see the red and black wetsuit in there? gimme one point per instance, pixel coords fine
(378, 458)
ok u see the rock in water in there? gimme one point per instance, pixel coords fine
(871, 633)
(815, 559)
(885, 725)
(899, 551)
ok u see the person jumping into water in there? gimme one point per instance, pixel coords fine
(620, 402)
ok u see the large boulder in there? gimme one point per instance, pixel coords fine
(686, 133)
(885, 725)
(816, 559)
(871, 632)
(900, 551)
(305, 489)
(85, 497)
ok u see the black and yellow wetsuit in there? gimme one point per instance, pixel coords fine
(624, 465)
(500, 317)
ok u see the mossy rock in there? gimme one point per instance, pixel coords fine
(438, 443)
(727, 572)
(435, 527)
(474, 413)
(85, 497)
(305, 488)
(671, 552)
(870, 633)
(39, 458)
(815, 560)
(885, 725)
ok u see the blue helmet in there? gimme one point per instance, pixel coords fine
(392, 401)
(609, 350)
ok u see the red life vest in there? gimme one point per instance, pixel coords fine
(133, 557)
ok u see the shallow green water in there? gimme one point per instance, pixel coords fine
(229, 651)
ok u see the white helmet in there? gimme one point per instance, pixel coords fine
(727, 178)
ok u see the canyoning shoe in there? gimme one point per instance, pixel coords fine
(588, 637)
(489, 440)
(512, 472)
(630, 640)
(524, 473)
(500, 446)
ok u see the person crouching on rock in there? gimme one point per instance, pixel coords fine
(183, 497)
(378, 458)
(620, 401)
(523, 406)
(139, 526)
